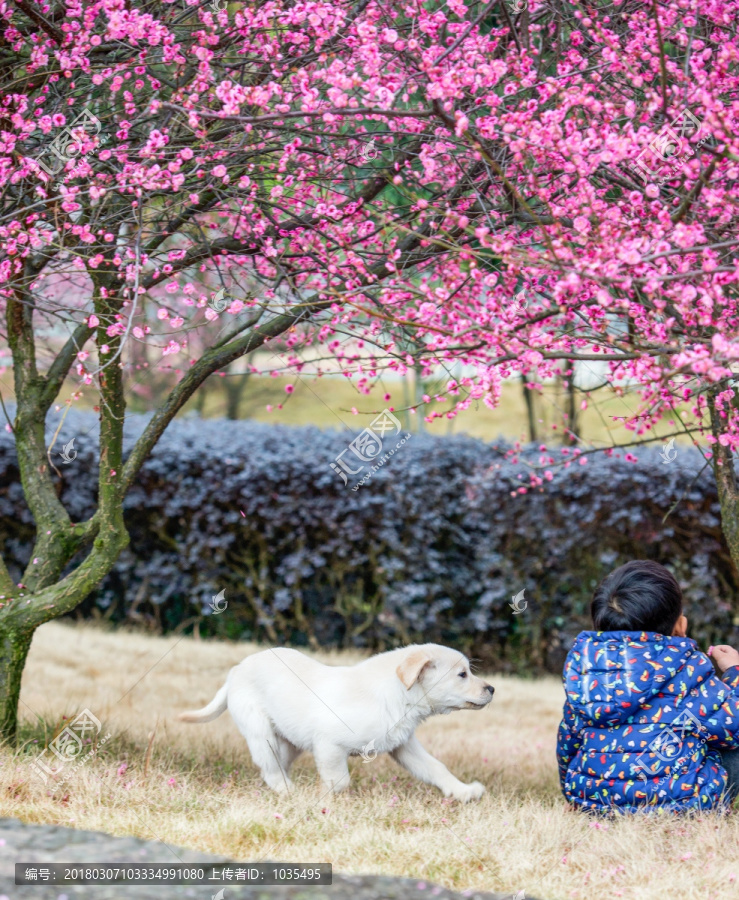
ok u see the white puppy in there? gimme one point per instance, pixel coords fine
(284, 702)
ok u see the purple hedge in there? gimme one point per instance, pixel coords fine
(433, 547)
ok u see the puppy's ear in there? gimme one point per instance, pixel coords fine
(409, 671)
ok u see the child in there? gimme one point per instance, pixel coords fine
(646, 721)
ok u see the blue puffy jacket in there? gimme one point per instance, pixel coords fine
(643, 719)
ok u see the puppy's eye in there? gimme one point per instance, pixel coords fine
(462, 674)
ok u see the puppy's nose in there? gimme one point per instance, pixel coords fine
(490, 689)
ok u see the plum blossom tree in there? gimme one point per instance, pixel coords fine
(377, 180)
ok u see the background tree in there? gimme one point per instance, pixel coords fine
(347, 175)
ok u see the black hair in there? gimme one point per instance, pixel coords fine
(638, 596)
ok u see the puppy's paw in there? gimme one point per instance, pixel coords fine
(337, 787)
(279, 786)
(468, 792)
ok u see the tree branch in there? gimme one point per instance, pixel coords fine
(210, 362)
(59, 369)
(37, 18)
(299, 114)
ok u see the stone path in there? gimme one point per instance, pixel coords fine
(53, 843)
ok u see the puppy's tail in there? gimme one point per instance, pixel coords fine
(216, 706)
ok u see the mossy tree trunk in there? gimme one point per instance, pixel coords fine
(45, 592)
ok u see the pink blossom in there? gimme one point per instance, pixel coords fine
(530, 165)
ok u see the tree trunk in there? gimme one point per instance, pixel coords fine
(407, 423)
(567, 401)
(42, 596)
(14, 646)
(420, 405)
(234, 386)
(21, 615)
(200, 396)
(572, 410)
(726, 483)
(528, 399)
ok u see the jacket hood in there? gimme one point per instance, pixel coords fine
(610, 675)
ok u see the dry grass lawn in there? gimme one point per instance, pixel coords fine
(202, 791)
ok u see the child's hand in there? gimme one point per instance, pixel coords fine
(724, 656)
